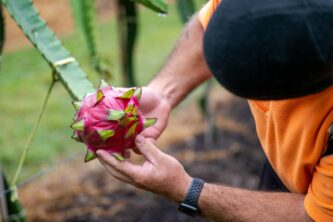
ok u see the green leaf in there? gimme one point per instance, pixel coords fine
(116, 114)
(149, 122)
(89, 156)
(106, 134)
(156, 5)
(66, 69)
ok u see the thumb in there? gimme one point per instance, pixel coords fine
(147, 148)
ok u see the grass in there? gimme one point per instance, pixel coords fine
(25, 78)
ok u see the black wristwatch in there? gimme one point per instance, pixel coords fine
(190, 203)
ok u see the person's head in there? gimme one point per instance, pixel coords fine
(271, 49)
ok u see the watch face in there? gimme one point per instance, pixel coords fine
(188, 209)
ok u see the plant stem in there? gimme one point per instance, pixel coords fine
(31, 137)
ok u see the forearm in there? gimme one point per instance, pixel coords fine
(185, 68)
(164, 175)
(221, 203)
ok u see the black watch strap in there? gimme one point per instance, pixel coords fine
(190, 203)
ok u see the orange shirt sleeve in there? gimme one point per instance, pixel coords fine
(318, 202)
(207, 11)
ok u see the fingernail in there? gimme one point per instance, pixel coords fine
(139, 139)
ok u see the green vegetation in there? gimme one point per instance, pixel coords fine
(25, 78)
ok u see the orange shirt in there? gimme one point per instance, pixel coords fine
(293, 134)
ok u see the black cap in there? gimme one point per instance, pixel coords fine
(271, 49)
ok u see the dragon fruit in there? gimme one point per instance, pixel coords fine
(109, 119)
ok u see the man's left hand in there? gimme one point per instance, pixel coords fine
(160, 173)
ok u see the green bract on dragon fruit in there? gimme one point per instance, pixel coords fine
(109, 119)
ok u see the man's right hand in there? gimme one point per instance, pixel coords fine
(154, 104)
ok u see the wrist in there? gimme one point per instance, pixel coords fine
(179, 189)
(189, 205)
(167, 91)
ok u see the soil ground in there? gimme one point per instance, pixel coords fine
(85, 192)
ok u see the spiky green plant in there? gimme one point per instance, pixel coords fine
(2, 31)
(65, 67)
(127, 25)
(159, 6)
(85, 17)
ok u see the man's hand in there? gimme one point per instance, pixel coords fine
(160, 173)
(154, 105)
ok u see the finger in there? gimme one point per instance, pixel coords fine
(124, 167)
(115, 173)
(147, 148)
(152, 132)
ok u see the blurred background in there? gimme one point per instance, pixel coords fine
(211, 133)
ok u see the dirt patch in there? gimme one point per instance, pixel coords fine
(85, 192)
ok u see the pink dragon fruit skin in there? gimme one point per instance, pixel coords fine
(110, 120)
